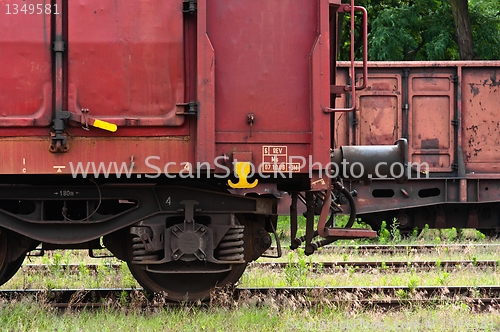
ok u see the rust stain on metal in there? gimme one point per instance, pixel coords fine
(474, 89)
(493, 79)
(432, 143)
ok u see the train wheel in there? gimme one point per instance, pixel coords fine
(191, 280)
(7, 269)
(11, 269)
(186, 286)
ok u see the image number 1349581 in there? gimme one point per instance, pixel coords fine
(31, 9)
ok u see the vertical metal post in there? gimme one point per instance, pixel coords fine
(294, 222)
(406, 101)
(58, 143)
(58, 47)
(309, 222)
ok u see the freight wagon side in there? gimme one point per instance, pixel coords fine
(128, 121)
(448, 112)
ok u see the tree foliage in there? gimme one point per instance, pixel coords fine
(485, 20)
(424, 30)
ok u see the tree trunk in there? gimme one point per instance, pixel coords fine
(460, 11)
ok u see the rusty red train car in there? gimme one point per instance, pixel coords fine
(448, 112)
(125, 123)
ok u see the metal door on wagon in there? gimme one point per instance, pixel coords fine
(126, 62)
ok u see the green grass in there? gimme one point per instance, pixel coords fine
(300, 274)
(268, 314)
(57, 278)
(297, 274)
(470, 252)
(258, 277)
(389, 234)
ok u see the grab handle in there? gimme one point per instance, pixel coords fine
(344, 89)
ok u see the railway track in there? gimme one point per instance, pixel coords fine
(396, 248)
(314, 266)
(481, 297)
(361, 266)
(375, 248)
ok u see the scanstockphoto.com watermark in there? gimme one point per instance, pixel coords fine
(155, 168)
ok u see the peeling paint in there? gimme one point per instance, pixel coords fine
(494, 81)
(474, 89)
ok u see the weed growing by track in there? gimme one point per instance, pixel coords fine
(391, 233)
(295, 275)
(297, 270)
(262, 313)
(58, 277)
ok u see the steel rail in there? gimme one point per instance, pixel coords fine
(397, 248)
(386, 296)
(419, 265)
(373, 248)
(315, 266)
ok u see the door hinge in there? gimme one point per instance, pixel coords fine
(190, 108)
(59, 46)
(189, 6)
(58, 136)
(58, 142)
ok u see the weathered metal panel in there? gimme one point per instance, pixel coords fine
(342, 130)
(126, 61)
(443, 98)
(379, 110)
(154, 156)
(270, 76)
(25, 70)
(431, 112)
(380, 118)
(452, 118)
(262, 52)
(480, 119)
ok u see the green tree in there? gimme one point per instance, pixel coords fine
(414, 31)
(424, 30)
(485, 21)
(461, 17)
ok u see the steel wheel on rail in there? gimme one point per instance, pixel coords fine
(11, 269)
(195, 279)
(186, 286)
(7, 269)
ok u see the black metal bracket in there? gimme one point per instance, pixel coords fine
(310, 233)
(189, 213)
(278, 245)
(406, 103)
(59, 46)
(189, 6)
(190, 108)
(295, 243)
(59, 143)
